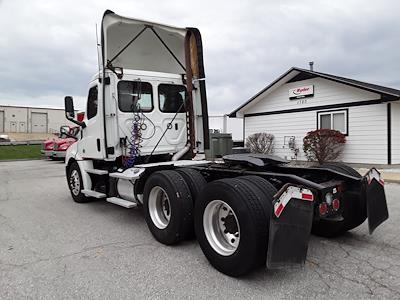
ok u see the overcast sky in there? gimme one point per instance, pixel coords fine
(48, 48)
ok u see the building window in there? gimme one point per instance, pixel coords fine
(336, 120)
(92, 103)
(171, 98)
(134, 96)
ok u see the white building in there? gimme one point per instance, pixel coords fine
(301, 100)
(31, 119)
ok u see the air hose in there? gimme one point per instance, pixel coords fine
(134, 142)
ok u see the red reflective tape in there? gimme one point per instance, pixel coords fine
(307, 196)
(381, 181)
(278, 210)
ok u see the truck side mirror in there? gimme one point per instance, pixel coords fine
(70, 111)
(69, 106)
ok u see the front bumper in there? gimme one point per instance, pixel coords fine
(59, 154)
(47, 153)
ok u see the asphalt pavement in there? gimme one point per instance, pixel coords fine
(53, 248)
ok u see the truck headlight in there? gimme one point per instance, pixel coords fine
(64, 147)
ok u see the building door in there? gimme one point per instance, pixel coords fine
(22, 127)
(39, 122)
(13, 126)
(1, 121)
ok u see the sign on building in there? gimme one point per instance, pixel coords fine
(301, 92)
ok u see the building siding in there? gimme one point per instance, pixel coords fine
(326, 92)
(366, 142)
(367, 125)
(396, 133)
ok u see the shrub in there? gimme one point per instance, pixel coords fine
(323, 145)
(261, 142)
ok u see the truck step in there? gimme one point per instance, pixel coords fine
(94, 194)
(129, 174)
(122, 202)
(97, 171)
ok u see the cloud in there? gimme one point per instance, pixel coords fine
(48, 48)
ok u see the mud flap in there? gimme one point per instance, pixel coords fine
(290, 227)
(377, 211)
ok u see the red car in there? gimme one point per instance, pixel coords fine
(56, 148)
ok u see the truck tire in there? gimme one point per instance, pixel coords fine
(343, 168)
(231, 225)
(194, 180)
(268, 191)
(265, 187)
(75, 183)
(196, 183)
(355, 209)
(263, 184)
(168, 207)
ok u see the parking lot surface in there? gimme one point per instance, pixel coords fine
(53, 248)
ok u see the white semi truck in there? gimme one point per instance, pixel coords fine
(141, 145)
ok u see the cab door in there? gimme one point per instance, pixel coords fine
(92, 142)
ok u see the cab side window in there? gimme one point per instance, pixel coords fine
(172, 98)
(134, 96)
(92, 103)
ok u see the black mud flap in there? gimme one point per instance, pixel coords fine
(377, 210)
(290, 227)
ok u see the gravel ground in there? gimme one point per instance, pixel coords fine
(53, 248)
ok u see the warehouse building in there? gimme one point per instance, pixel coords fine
(24, 119)
(303, 100)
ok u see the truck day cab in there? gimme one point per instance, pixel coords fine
(144, 131)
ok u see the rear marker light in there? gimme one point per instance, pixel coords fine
(305, 196)
(323, 208)
(335, 204)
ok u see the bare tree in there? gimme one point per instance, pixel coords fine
(261, 142)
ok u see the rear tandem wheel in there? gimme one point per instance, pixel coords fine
(231, 223)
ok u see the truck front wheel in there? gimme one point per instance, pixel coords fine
(75, 183)
(168, 207)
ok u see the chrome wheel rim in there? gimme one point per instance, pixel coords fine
(159, 207)
(75, 182)
(221, 227)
